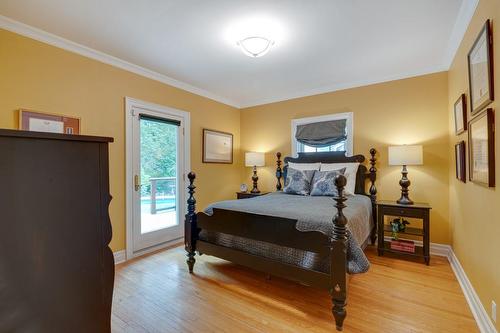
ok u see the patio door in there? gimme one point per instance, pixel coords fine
(158, 173)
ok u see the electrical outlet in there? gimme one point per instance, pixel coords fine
(494, 311)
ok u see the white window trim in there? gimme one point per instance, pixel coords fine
(349, 116)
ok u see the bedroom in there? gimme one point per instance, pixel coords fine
(73, 60)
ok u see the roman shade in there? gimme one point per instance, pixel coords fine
(322, 134)
(160, 120)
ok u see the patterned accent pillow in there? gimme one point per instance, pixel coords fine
(323, 182)
(298, 181)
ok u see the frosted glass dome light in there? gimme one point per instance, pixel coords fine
(255, 46)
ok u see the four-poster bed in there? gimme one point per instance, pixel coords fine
(275, 231)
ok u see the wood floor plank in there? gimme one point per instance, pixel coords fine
(156, 294)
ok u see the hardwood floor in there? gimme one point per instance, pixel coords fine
(156, 294)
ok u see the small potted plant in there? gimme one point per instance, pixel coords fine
(398, 225)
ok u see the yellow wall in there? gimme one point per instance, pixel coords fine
(410, 111)
(37, 76)
(418, 110)
(475, 210)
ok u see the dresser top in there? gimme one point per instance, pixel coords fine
(52, 136)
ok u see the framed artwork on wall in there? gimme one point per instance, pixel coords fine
(217, 147)
(460, 161)
(480, 65)
(460, 111)
(482, 149)
(48, 122)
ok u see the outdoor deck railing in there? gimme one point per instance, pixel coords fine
(154, 188)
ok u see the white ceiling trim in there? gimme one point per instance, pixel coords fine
(343, 86)
(51, 39)
(464, 17)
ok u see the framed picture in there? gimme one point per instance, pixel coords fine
(460, 161)
(47, 122)
(217, 147)
(460, 110)
(479, 61)
(482, 149)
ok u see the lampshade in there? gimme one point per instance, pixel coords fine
(406, 155)
(254, 159)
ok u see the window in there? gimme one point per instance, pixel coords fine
(345, 145)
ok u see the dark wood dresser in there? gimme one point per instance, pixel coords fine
(56, 269)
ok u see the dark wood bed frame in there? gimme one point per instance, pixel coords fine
(282, 231)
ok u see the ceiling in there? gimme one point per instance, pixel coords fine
(325, 45)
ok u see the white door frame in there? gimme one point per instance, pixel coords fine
(130, 104)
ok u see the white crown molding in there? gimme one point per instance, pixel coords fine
(341, 86)
(54, 40)
(465, 14)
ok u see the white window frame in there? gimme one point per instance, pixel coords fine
(348, 116)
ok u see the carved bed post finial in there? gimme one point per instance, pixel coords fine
(279, 171)
(373, 192)
(373, 175)
(190, 225)
(338, 256)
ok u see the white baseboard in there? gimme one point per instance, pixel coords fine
(120, 257)
(478, 311)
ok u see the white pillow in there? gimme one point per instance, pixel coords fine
(304, 166)
(350, 173)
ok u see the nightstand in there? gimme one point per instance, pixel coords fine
(246, 195)
(417, 211)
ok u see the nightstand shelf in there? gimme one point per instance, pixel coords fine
(416, 211)
(419, 250)
(408, 231)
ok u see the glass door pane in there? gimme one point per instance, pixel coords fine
(158, 174)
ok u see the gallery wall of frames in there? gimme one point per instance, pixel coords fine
(473, 115)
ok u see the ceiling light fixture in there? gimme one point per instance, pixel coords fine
(255, 35)
(255, 46)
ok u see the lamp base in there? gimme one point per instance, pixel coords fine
(405, 201)
(255, 189)
(405, 184)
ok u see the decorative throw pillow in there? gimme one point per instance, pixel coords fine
(298, 181)
(323, 182)
(351, 169)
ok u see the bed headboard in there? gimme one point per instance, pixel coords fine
(362, 175)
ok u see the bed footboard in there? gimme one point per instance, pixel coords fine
(279, 231)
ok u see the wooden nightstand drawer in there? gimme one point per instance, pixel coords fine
(399, 211)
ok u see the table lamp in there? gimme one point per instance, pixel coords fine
(254, 159)
(405, 155)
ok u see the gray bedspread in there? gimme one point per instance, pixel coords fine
(313, 213)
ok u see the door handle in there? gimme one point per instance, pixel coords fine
(137, 183)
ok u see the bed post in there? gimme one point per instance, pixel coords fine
(338, 256)
(279, 172)
(190, 225)
(373, 193)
